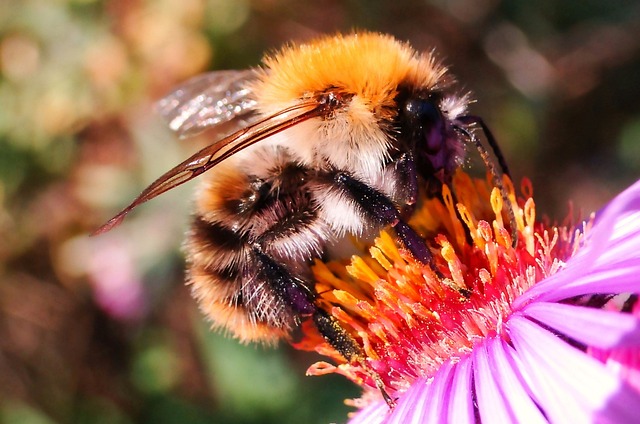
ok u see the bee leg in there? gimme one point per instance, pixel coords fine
(405, 168)
(302, 301)
(407, 173)
(497, 175)
(337, 337)
(381, 209)
(491, 140)
(297, 295)
(342, 341)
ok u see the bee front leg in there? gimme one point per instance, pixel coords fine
(379, 208)
(405, 170)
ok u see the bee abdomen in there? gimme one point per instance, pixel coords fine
(290, 230)
(215, 246)
(228, 293)
(250, 221)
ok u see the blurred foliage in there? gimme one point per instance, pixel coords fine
(101, 330)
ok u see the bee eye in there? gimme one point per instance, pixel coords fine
(422, 111)
(424, 124)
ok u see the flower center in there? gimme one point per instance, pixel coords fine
(408, 318)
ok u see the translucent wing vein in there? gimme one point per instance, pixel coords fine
(217, 152)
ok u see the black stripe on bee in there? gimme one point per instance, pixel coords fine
(224, 238)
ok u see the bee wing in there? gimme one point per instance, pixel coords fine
(220, 150)
(208, 100)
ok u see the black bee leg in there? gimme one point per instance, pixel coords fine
(491, 140)
(298, 296)
(381, 209)
(497, 175)
(301, 299)
(407, 174)
(341, 341)
(337, 337)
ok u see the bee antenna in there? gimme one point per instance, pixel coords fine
(496, 173)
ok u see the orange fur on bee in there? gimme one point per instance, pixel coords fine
(368, 65)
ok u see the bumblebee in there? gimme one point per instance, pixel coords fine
(333, 139)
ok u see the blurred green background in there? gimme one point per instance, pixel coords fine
(102, 330)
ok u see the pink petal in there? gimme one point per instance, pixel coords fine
(425, 402)
(460, 400)
(570, 385)
(624, 362)
(437, 406)
(590, 326)
(511, 383)
(566, 284)
(557, 403)
(492, 404)
(412, 404)
(609, 260)
(376, 413)
(618, 220)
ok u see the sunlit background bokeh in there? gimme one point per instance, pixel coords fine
(102, 330)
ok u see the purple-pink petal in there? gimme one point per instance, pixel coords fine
(558, 404)
(590, 326)
(512, 384)
(425, 402)
(607, 227)
(492, 404)
(460, 403)
(437, 403)
(614, 225)
(570, 385)
(560, 286)
(624, 362)
(609, 262)
(412, 404)
(376, 413)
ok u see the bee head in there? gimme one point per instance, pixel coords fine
(365, 71)
(426, 127)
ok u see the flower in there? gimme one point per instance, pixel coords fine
(546, 329)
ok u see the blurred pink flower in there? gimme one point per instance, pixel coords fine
(118, 288)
